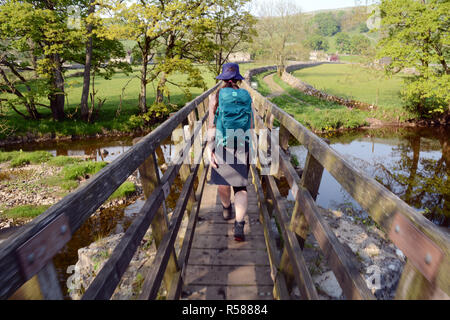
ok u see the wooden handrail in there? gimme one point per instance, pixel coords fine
(426, 247)
(78, 206)
(383, 206)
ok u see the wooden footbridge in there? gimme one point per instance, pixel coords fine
(209, 264)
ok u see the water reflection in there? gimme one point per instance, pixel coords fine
(414, 163)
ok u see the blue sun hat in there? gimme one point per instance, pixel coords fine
(230, 71)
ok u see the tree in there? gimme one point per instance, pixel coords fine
(87, 63)
(106, 58)
(279, 26)
(343, 42)
(360, 44)
(147, 22)
(317, 43)
(38, 29)
(180, 47)
(233, 26)
(327, 24)
(416, 35)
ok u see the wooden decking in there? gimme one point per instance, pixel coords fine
(220, 267)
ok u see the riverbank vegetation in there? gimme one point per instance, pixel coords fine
(132, 75)
(317, 114)
(179, 46)
(40, 179)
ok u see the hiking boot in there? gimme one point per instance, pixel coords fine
(227, 213)
(239, 231)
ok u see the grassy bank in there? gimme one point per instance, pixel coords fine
(317, 114)
(53, 175)
(359, 83)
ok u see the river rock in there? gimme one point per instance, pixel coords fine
(372, 250)
(91, 259)
(328, 283)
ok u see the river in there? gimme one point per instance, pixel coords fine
(414, 163)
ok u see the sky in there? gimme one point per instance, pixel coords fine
(313, 5)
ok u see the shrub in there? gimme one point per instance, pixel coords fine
(62, 161)
(23, 158)
(27, 211)
(79, 170)
(126, 189)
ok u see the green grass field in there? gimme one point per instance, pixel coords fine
(111, 90)
(354, 59)
(355, 82)
(316, 114)
(349, 81)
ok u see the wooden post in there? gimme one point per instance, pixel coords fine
(150, 180)
(43, 286)
(287, 270)
(414, 286)
(284, 138)
(185, 170)
(48, 283)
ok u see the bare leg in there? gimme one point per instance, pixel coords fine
(225, 195)
(240, 202)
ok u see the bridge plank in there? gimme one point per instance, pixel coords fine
(153, 279)
(218, 292)
(236, 275)
(174, 291)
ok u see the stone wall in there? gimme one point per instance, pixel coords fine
(305, 87)
(310, 90)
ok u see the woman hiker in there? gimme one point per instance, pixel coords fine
(230, 121)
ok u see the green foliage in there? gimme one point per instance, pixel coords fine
(360, 44)
(317, 114)
(280, 31)
(23, 158)
(7, 156)
(157, 113)
(26, 211)
(81, 170)
(317, 42)
(294, 160)
(37, 34)
(416, 35)
(326, 23)
(343, 42)
(62, 161)
(126, 189)
(363, 27)
(232, 26)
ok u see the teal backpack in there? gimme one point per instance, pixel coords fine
(234, 112)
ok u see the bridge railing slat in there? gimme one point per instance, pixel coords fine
(340, 260)
(153, 279)
(81, 203)
(109, 276)
(382, 205)
(280, 288)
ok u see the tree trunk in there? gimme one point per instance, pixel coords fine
(87, 68)
(143, 94)
(415, 146)
(160, 89)
(56, 96)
